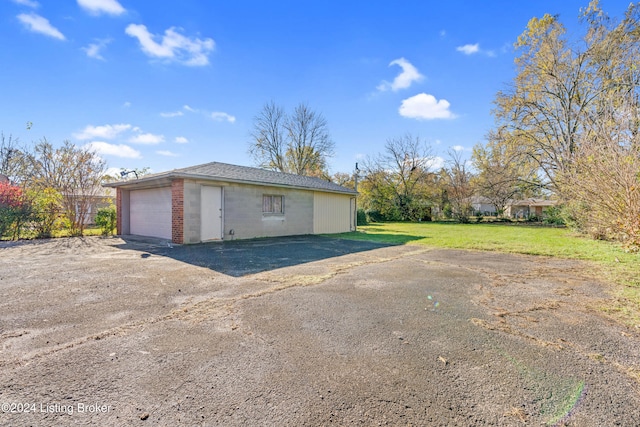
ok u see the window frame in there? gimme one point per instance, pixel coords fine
(271, 205)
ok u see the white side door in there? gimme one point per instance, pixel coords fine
(210, 213)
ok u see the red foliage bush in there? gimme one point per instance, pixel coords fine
(10, 196)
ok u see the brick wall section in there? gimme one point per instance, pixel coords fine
(177, 211)
(118, 211)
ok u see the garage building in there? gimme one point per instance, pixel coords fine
(218, 201)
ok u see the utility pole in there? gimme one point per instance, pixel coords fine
(355, 203)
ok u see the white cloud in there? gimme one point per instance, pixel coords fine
(172, 114)
(425, 107)
(98, 7)
(219, 116)
(119, 150)
(28, 3)
(127, 104)
(436, 163)
(173, 46)
(403, 80)
(147, 138)
(104, 132)
(93, 50)
(37, 24)
(457, 148)
(469, 49)
(166, 153)
(181, 140)
(113, 172)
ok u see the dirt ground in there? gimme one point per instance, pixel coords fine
(305, 331)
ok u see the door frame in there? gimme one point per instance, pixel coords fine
(202, 218)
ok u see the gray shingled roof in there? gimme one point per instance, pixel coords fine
(234, 173)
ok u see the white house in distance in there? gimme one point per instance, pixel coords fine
(514, 208)
(218, 201)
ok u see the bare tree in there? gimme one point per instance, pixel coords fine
(602, 188)
(309, 142)
(459, 186)
(299, 143)
(12, 158)
(502, 172)
(76, 173)
(400, 175)
(269, 138)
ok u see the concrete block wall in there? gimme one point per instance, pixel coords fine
(243, 212)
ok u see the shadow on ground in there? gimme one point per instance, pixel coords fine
(242, 257)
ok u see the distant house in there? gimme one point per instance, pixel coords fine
(102, 197)
(217, 201)
(528, 208)
(4, 179)
(482, 205)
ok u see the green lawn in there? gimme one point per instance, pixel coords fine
(608, 260)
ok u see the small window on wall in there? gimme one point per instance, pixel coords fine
(272, 204)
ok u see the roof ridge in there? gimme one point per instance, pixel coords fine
(248, 174)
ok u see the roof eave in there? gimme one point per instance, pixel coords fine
(165, 179)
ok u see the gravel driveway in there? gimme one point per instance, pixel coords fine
(305, 331)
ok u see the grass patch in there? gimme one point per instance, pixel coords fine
(88, 231)
(609, 260)
(31, 235)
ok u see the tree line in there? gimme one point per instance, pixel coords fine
(572, 119)
(47, 188)
(568, 126)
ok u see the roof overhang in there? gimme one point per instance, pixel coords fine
(165, 180)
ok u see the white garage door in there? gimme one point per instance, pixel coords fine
(150, 212)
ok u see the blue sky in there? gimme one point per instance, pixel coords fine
(166, 84)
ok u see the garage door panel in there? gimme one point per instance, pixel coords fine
(150, 212)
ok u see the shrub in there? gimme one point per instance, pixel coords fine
(15, 210)
(553, 215)
(106, 220)
(361, 217)
(47, 206)
(373, 215)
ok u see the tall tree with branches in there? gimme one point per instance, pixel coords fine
(502, 173)
(459, 184)
(12, 158)
(400, 176)
(298, 143)
(74, 172)
(575, 107)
